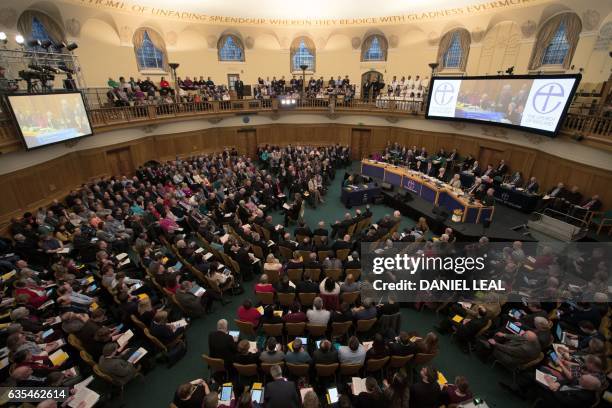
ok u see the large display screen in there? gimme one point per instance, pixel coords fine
(531, 102)
(45, 119)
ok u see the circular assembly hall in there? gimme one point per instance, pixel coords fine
(287, 204)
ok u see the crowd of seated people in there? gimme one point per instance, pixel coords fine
(313, 89)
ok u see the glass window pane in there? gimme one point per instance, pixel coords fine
(148, 55)
(303, 56)
(375, 52)
(231, 50)
(452, 58)
(558, 48)
(39, 33)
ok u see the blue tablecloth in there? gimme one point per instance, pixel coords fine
(359, 196)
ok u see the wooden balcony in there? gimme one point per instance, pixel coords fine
(594, 130)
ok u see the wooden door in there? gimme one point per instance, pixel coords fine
(489, 156)
(120, 162)
(249, 137)
(360, 143)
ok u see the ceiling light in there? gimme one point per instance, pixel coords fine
(19, 39)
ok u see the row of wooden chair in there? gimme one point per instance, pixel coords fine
(338, 329)
(305, 299)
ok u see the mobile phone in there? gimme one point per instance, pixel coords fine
(226, 393)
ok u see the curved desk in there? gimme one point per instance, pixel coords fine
(429, 189)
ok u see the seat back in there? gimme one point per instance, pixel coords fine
(349, 297)
(376, 364)
(323, 254)
(247, 370)
(315, 273)
(355, 272)
(265, 298)
(486, 327)
(350, 369)
(273, 330)
(257, 251)
(87, 358)
(306, 299)
(299, 370)
(101, 374)
(285, 252)
(286, 299)
(342, 254)
(422, 358)
(399, 361)
(533, 362)
(156, 342)
(273, 275)
(326, 370)
(138, 322)
(265, 367)
(365, 325)
(390, 322)
(340, 328)
(336, 274)
(214, 364)
(295, 329)
(75, 342)
(245, 327)
(295, 275)
(316, 330)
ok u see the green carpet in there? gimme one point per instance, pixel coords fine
(158, 387)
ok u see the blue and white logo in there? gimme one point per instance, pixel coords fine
(444, 93)
(548, 98)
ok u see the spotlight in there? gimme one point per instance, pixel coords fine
(510, 70)
(58, 47)
(33, 43)
(19, 39)
(72, 46)
(3, 38)
(46, 44)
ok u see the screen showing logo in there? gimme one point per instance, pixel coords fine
(444, 93)
(548, 98)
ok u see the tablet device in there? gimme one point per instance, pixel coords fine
(256, 396)
(514, 328)
(226, 393)
(559, 332)
(234, 333)
(318, 344)
(332, 395)
(554, 357)
(47, 333)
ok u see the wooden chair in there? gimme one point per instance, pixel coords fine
(340, 329)
(349, 297)
(246, 370)
(215, 365)
(317, 239)
(350, 370)
(351, 229)
(285, 252)
(295, 275)
(399, 362)
(322, 255)
(316, 330)
(258, 252)
(295, 329)
(108, 379)
(87, 358)
(355, 272)
(315, 273)
(522, 367)
(601, 219)
(75, 342)
(298, 370)
(138, 322)
(342, 254)
(246, 328)
(306, 299)
(421, 359)
(265, 367)
(265, 298)
(286, 299)
(273, 275)
(273, 330)
(336, 274)
(376, 365)
(326, 370)
(364, 326)
(300, 238)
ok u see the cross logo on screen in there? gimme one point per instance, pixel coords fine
(411, 185)
(505, 196)
(444, 93)
(548, 98)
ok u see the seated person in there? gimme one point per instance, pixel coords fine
(244, 355)
(298, 355)
(403, 346)
(458, 392)
(295, 314)
(272, 352)
(426, 391)
(165, 332)
(263, 285)
(379, 348)
(325, 354)
(367, 310)
(120, 370)
(269, 317)
(318, 315)
(247, 313)
(354, 353)
(191, 394)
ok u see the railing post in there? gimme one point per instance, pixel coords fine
(151, 112)
(215, 106)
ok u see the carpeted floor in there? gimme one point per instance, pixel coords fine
(158, 387)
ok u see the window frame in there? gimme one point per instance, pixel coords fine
(381, 44)
(295, 69)
(238, 43)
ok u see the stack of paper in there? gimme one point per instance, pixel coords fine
(178, 324)
(359, 385)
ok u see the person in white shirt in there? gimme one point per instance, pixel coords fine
(318, 315)
(354, 353)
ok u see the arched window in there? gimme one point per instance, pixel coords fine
(452, 58)
(453, 50)
(556, 41)
(230, 48)
(557, 49)
(150, 50)
(302, 53)
(374, 48)
(36, 25)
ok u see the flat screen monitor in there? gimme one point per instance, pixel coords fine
(535, 103)
(46, 119)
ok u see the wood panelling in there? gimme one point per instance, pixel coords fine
(26, 189)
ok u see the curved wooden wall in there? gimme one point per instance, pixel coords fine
(29, 188)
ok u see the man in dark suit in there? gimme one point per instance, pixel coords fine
(489, 199)
(403, 346)
(501, 169)
(302, 229)
(221, 344)
(325, 354)
(120, 370)
(591, 204)
(239, 85)
(344, 243)
(572, 198)
(321, 231)
(532, 186)
(580, 394)
(430, 170)
(307, 285)
(280, 393)
(312, 262)
(190, 303)
(354, 263)
(554, 195)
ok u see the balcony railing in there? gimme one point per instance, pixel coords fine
(592, 128)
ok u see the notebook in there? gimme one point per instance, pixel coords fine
(125, 338)
(137, 355)
(58, 357)
(359, 385)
